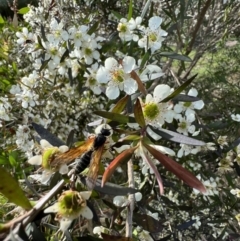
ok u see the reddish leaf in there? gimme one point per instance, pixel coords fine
(107, 237)
(138, 114)
(177, 169)
(122, 157)
(146, 158)
(121, 104)
(141, 87)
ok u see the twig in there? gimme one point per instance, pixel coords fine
(131, 199)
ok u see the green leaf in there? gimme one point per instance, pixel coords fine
(10, 188)
(23, 10)
(180, 88)
(130, 10)
(121, 104)
(13, 158)
(117, 15)
(93, 28)
(116, 117)
(145, 58)
(4, 160)
(138, 114)
(1, 20)
(175, 56)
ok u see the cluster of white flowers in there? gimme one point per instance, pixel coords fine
(152, 36)
(5, 110)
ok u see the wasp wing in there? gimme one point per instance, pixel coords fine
(94, 167)
(69, 156)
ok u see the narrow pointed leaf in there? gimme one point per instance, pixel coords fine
(172, 55)
(45, 134)
(64, 56)
(176, 137)
(10, 188)
(141, 86)
(146, 158)
(93, 28)
(130, 10)
(121, 104)
(115, 117)
(70, 139)
(109, 188)
(180, 89)
(177, 169)
(186, 98)
(138, 114)
(122, 157)
(145, 58)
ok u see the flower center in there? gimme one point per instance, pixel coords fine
(92, 81)
(88, 51)
(183, 125)
(117, 75)
(187, 104)
(47, 157)
(152, 37)
(70, 203)
(122, 28)
(151, 111)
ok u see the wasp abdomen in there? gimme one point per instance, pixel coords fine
(83, 162)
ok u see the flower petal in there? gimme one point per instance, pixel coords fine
(35, 160)
(63, 148)
(86, 212)
(154, 22)
(161, 92)
(52, 209)
(65, 223)
(46, 175)
(86, 195)
(112, 92)
(63, 169)
(45, 144)
(130, 86)
(103, 75)
(128, 64)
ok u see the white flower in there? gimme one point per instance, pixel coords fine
(236, 117)
(122, 201)
(151, 72)
(189, 107)
(236, 192)
(156, 113)
(153, 35)
(24, 36)
(222, 140)
(117, 76)
(91, 79)
(197, 223)
(79, 35)
(45, 160)
(210, 185)
(89, 51)
(186, 150)
(70, 205)
(126, 28)
(185, 124)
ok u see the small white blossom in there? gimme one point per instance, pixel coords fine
(117, 76)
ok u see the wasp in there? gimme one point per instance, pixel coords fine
(90, 153)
